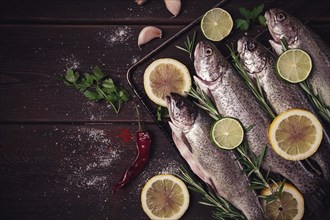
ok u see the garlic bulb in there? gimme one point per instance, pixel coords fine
(173, 6)
(147, 34)
(140, 2)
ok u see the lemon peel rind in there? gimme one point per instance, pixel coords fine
(176, 180)
(213, 135)
(152, 66)
(281, 75)
(224, 34)
(275, 124)
(293, 191)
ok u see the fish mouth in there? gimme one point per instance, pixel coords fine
(270, 21)
(197, 49)
(169, 102)
(240, 44)
(267, 17)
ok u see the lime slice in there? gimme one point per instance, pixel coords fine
(290, 204)
(294, 65)
(295, 134)
(216, 24)
(164, 76)
(165, 196)
(227, 133)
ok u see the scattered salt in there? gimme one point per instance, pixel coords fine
(71, 62)
(100, 157)
(116, 36)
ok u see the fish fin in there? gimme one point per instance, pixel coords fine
(277, 47)
(318, 202)
(185, 150)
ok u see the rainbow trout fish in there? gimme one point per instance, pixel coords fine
(282, 96)
(218, 78)
(216, 167)
(283, 25)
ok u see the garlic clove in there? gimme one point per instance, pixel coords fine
(148, 33)
(140, 2)
(173, 6)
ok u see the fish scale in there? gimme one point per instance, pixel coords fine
(191, 134)
(234, 99)
(282, 96)
(283, 25)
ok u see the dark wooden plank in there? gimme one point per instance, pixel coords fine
(115, 11)
(119, 12)
(34, 57)
(62, 171)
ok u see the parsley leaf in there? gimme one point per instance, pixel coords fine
(161, 111)
(97, 86)
(250, 17)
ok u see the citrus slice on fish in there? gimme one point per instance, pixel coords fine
(227, 133)
(165, 76)
(165, 196)
(289, 205)
(295, 134)
(294, 65)
(216, 24)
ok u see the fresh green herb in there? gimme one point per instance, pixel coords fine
(189, 45)
(96, 86)
(250, 17)
(224, 210)
(161, 112)
(250, 162)
(316, 99)
(204, 102)
(254, 86)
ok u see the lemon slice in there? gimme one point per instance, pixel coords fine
(295, 134)
(227, 133)
(165, 196)
(294, 65)
(290, 205)
(216, 24)
(164, 76)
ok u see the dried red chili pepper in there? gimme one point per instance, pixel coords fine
(143, 142)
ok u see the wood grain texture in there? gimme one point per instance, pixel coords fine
(67, 171)
(60, 154)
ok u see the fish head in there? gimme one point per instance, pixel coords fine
(182, 112)
(282, 25)
(252, 54)
(209, 62)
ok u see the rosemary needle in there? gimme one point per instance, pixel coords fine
(188, 45)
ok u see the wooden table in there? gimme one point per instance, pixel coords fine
(59, 153)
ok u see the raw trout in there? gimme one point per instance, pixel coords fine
(297, 35)
(218, 168)
(282, 96)
(234, 99)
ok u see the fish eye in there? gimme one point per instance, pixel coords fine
(251, 46)
(280, 17)
(208, 51)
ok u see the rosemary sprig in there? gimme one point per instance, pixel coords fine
(204, 102)
(251, 163)
(316, 99)
(254, 86)
(224, 210)
(189, 45)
